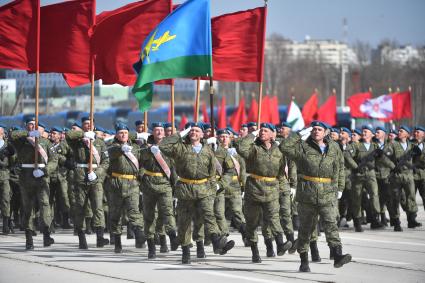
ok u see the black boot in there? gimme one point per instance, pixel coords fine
(130, 234)
(375, 224)
(174, 241)
(221, 245)
(100, 240)
(5, 225)
(29, 244)
(282, 247)
(411, 221)
(290, 238)
(140, 238)
(65, 221)
(186, 255)
(304, 262)
(357, 225)
(339, 258)
(156, 239)
(11, 226)
(151, 249)
(200, 251)
(397, 226)
(331, 254)
(295, 222)
(269, 247)
(384, 220)
(111, 239)
(315, 257)
(89, 230)
(255, 253)
(242, 230)
(163, 242)
(117, 243)
(82, 242)
(47, 240)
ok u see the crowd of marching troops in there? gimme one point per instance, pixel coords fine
(190, 185)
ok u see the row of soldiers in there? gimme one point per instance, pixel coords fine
(252, 178)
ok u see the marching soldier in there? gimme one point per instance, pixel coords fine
(321, 170)
(34, 179)
(6, 153)
(88, 183)
(195, 166)
(419, 162)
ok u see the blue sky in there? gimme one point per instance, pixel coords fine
(368, 20)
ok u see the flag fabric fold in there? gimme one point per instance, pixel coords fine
(310, 109)
(180, 46)
(327, 112)
(222, 119)
(386, 107)
(253, 111)
(295, 117)
(274, 110)
(355, 101)
(239, 116)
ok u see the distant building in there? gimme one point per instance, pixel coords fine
(399, 55)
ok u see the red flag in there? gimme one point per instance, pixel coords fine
(117, 38)
(274, 110)
(309, 110)
(327, 112)
(205, 116)
(238, 45)
(265, 110)
(402, 107)
(183, 122)
(253, 111)
(65, 40)
(239, 116)
(18, 32)
(221, 120)
(354, 103)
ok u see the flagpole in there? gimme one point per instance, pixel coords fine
(260, 102)
(198, 94)
(173, 122)
(37, 83)
(260, 90)
(212, 107)
(145, 121)
(92, 71)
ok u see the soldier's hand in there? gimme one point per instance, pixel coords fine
(255, 133)
(232, 151)
(143, 136)
(339, 196)
(91, 176)
(37, 173)
(90, 135)
(293, 192)
(305, 133)
(185, 132)
(155, 149)
(213, 142)
(126, 148)
(34, 134)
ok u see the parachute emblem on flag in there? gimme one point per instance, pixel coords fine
(154, 44)
(380, 107)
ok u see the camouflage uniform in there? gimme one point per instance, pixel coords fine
(419, 172)
(6, 152)
(345, 203)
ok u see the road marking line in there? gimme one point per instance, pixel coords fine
(381, 261)
(245, 278)
(384, 241)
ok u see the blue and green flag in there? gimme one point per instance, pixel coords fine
(179, 47)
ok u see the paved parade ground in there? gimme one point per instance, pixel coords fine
(378, 256)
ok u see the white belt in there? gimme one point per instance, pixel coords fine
(85, 165)
(33, 165)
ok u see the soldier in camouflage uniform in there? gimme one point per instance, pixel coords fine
(6, 153)
(157, 190)
(419, 162)
(195, 167)
(266, 166)
(124, 165)
(58, 182)
(34, 179)
(321, 170)
(400, 152)
(88, 184)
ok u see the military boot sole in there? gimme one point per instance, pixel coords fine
(256, 259)
(398, 229)
(316, 259)
(229, 245)
(151, 256)
(304, 268)
(270, 253)
(118, 250)
(343, 260)
(164, 249)
(283, 248)
(293, 249)
(48, 242)
(100, 243)
(201, 254)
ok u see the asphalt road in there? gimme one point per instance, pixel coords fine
(378, 256)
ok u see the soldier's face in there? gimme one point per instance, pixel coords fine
(318, 133)
(419, 135)
(380, 135)
(86, 126)
(335, 136)
(366, 134)
(207, 133)
(168, 131)
(55, 136)
(402, 134)
(224, 139)
(392, 136)
(122, 136)
(266, 134)
(158, 132)
(140, 128)
(252, 129)
(30, 126)
(1, 133)
(344, 136)
(285, 131)
(243, 132)
(195, 134)
(75, 128)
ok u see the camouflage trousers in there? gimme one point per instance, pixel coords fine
(158, 213)
(345, 203)
(270, 219)
(89, 194)
(186, 209)
(34, 191)
(5, 197)
(233, 208)
(420, 186)
(59, 194)
(384, 194)
(123, 197)
(308, 214)
(369, 183)
(402, 182)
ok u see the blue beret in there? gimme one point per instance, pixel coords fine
(286, 124)
(335, 130)
(366, 127)
(138, 122)
(381, 129)
(16, 128)
(392, 131)
(29, 120)
(206, 126)
(268, 126)
(198, 124)
(406, 128)
(56, 129)
(417, 128)
(65, 129)
(244, 126)
(157, 125)
(357, 131)
(41, 124)
(76, 124)
(222, 132)
(319, 124)
(167, 125)
(100, 129)
(347, 130)
(110, 132)
(85, 119)
(120, 127)
(230, 129)
(251, 124)
(189, 124)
